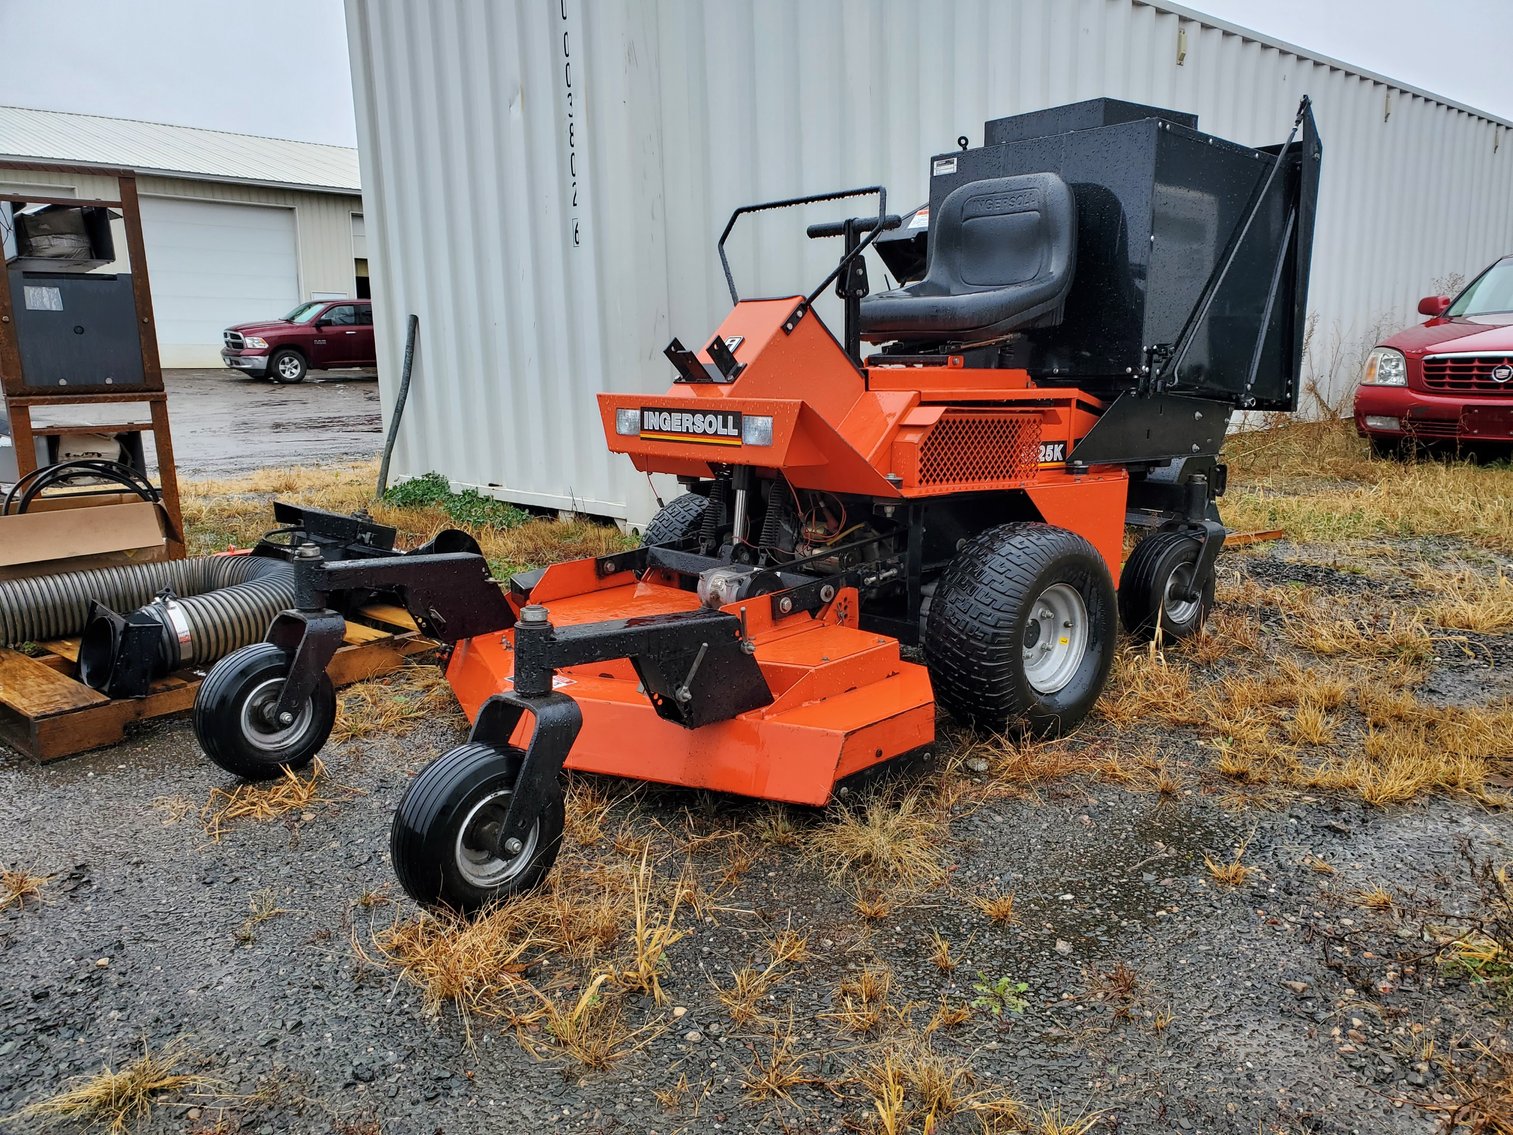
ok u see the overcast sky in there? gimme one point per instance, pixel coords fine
(279, 67)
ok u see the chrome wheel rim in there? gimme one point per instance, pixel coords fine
(261, 728)
(1179, 611)
(1055, 638)
(288, 367)
(479, 866)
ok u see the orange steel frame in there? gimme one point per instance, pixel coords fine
(844, 698)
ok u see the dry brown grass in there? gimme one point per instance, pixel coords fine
(291, 793)
(1235, 873)
(887, 844)
(116, 1101)
(861, 1001)
(393, 705)
(750, 986)
(940, 953)
(776, 1069)
(912, 1086)
(1052, 1121)
(998, 907)
(262, 906)
(596, 935)
(476, 966)
(1469, 601)
(589, 1029)
(18, 887)
(1376, 898)
(1399, 636)
(653, 933)
(1316, 481)
(741, 998)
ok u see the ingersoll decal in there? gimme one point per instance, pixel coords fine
(707, 427)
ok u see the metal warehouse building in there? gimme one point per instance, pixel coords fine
(546, 181)
(236, 227)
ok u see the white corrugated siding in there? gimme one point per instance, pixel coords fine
(681, 110)
(323, 224)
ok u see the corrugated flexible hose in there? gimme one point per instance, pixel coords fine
(52, 606)
(183, 613)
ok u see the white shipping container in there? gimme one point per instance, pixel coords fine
(544, 182)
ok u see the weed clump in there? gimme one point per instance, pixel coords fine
(18, 887)
(469, 507)
(116, 1101)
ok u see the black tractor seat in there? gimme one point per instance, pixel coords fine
(1001, 253)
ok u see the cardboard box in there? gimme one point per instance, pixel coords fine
(78, 533)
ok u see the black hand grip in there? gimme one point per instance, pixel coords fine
(863, 225)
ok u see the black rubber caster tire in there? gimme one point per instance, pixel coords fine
(1160, 565)
(443, 803)
(984, 655)
(231, 728)
(679, 521)
(293, 372)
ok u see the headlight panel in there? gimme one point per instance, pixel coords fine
(627, 422)
(756, 430)
(254, 341)
(1385, 367)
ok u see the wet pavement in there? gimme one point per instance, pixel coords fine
(225, 424)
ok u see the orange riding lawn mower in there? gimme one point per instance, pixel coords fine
(1083, 304)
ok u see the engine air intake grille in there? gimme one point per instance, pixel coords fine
(968, 447)
(1487, 374)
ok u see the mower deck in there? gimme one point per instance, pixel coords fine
(844, 699)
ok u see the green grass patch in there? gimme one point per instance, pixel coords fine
(469, 507)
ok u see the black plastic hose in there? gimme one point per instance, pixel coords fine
(122, 655)
(52, 606)
(411, 331)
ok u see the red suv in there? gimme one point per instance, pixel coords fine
(320, 335)
(1450, 379)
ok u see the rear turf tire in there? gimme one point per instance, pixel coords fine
(678, 522)
(232, 715)
(997, 641)
(435, 843)
(1158, 571)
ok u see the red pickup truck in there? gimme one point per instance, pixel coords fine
(319, 335)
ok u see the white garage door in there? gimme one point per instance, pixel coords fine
(212, 265)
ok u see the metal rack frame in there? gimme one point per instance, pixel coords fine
(21, 400)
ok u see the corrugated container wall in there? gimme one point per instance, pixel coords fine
(545, 180)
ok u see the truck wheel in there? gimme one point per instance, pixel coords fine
(287, 367)
(678, 521)
(439, 840)
(1021, 630)
(233, 715)
(1158, 573)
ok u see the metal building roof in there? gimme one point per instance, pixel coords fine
(176, 151)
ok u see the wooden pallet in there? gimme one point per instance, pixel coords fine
(45, 713)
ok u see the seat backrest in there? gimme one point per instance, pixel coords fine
(1003, 232)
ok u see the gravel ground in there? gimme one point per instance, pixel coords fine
(226, 424)
(1153, 996)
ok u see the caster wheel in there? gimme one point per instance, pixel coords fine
(233, 715)
(440, 842)
(1158, 573)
